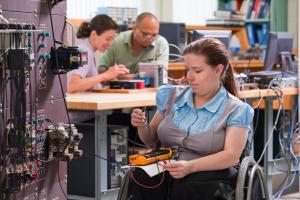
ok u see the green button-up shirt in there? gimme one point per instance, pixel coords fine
(121, 52)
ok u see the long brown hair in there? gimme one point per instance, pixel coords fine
(216, 53)
(99, 23)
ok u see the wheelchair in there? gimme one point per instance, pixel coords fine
(250, 185)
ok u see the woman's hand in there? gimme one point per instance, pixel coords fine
(138, 118)
(114, 71)
(178, 169)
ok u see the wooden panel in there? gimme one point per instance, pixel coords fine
(107, 90)
(176, 69)
(265, 92)
(75, 22)
(288, 103)
(251, 65)
(288, 100)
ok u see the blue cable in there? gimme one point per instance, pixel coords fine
(291, 152)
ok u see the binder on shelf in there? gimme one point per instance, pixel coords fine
(265, 30)
(255, 9)
(265, 10)
(249, 12)
(244, 7)
(251, 34)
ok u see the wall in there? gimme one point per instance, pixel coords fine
(293, 20)
(88, 8)
(194, 12)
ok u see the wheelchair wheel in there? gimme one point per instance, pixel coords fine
(248, 162)
(123, 191)
(251, 184)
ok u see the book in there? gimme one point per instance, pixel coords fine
(250, 6)
(224, 14)
(228, 14)
(225, 22)
(250, 28)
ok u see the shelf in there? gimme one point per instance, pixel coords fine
(195, 27)
(257, 21)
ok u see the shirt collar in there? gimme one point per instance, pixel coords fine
(187, 98)
(211, 106)
(214, 104)
(129, 36)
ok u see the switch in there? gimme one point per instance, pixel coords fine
(44, 34)
(42, 46)
(44, 57)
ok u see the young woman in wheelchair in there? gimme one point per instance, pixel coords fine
(207, 123)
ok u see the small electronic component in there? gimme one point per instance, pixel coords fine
(151, 157)
(126, 84)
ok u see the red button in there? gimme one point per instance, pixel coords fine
(140, 85)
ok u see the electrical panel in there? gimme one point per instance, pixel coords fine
(117, 155)
(35, 136)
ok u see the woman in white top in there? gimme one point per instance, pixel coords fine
(97, 34)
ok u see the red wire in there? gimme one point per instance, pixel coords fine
(146, 186)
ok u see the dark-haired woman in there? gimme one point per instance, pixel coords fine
(97, 34)
(205, 121)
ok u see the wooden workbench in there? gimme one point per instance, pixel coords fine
(109, 101)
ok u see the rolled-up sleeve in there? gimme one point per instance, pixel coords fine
(81, 71)
(162, 52)
(162, 97)
(241, 117)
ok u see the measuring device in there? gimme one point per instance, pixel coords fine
(151, 157)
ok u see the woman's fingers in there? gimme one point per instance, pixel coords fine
(138, 117)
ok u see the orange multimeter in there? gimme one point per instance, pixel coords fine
(151, 157)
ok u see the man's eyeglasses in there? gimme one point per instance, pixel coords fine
(148, 36)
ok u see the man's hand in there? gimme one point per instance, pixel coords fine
(114, 71)
(126, 76)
